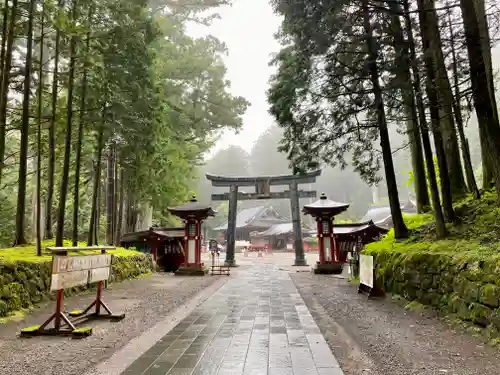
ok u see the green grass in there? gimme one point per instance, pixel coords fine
(27, 253)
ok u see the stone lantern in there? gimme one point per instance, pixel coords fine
(324, 210)
(192, 213)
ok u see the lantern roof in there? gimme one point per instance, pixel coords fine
(192, 209)
(324, 207)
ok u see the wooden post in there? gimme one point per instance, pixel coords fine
(297, 230)
(231, 226)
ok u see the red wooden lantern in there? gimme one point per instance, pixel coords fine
(192, 213)
(324, 210)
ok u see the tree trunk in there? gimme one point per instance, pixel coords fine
(469, 170)
(424, 129)
(76, 191)
(4, 88)
(110, 190)
(116, 198)
(25, 125)
(485, 109)
(91, 239)
(405, 83)
(131, 212)
(5, 24)
(487, 168)
(38, 220)
(444, 100)
(400, 230)
(121, 204)
(486, 49)
(429, 59)
(63, 194)
(52, 132)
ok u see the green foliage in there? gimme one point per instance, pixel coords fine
(159, 97)
(27, 253)
(411, 178)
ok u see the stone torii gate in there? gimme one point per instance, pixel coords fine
(263, 191)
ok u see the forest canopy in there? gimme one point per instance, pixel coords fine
(106, 109)
(352, 71)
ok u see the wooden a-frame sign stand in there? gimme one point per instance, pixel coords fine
(68, 272)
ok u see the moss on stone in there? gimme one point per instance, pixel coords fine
(24, 283)
(489, 295)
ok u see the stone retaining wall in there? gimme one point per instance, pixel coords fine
(24, 284)
(467, 285)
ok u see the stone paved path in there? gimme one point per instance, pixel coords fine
(256, 324)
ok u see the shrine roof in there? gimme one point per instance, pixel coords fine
(153, 231)
(382, 214)
(283, 228)
(356, 228)
(255, 216)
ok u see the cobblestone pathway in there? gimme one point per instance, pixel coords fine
(256, 324)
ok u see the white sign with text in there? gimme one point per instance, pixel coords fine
(70, 271)
(366, 270)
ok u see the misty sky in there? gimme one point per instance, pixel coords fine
(247, 28)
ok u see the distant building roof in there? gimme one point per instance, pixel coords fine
(153, 232)
(368, 227)
(283, 228)
(381, 215)
(256, 217)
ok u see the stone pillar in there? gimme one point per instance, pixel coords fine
(298, 244)
(231, 226)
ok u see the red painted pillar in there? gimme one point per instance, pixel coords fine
(333, 244)
(197, 248)
(192, 248)
(319, 229)
(327, 245)
(186, 242)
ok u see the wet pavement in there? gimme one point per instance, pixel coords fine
(256, 324)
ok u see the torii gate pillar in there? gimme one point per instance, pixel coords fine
(231, 226)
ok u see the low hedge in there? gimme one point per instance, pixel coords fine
(25, 278)
(458, 276)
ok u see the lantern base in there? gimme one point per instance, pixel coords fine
(191, 271)
(333, 268)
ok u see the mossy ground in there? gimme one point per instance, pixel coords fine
(27, 253)
(459, 275)
(25, 277)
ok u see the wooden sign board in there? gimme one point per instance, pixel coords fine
(263, 188)
(68, 272)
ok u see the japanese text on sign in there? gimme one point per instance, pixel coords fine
(68, 272)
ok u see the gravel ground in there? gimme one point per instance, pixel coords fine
(380, 337)
(145, 302)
